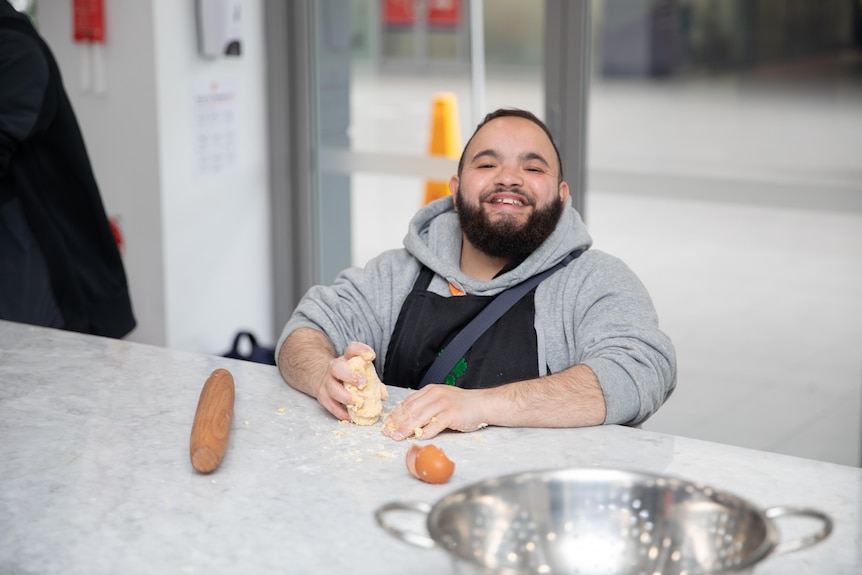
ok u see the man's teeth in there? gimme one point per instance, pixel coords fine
(509, 201)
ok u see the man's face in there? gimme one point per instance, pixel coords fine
(508, 197)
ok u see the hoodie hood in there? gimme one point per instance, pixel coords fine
(434, 238)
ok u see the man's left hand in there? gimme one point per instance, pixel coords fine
(434, 408)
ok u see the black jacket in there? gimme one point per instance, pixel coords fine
(44, 163)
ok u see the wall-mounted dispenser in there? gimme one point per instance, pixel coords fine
(219, 27)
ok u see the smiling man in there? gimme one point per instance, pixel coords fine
(558, 334)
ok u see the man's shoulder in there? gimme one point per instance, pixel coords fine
(595, 256)
(593, 266)
(390, 267)
(396, 257)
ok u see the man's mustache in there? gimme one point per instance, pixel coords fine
(517, 191)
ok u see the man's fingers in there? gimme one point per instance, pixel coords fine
(335, 409)
(336, 391)
(426, 413)
(334, 397)
(411, 417)
(355, 348)
(431, 429)
(340, 370)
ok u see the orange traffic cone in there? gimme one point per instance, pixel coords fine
(445, 140)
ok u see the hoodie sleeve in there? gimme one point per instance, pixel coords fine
(361, 305)
(612, 327)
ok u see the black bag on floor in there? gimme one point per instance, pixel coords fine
(258, 353)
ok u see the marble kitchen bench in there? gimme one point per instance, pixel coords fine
(95, 476)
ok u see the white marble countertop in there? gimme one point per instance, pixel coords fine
(95, 474)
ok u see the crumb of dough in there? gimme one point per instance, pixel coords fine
(368, 398)
(281, 409)
(418, 432)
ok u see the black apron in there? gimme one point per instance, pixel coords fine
(505, 353)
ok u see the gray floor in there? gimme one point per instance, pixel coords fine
(762, 298)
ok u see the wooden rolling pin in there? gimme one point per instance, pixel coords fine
(211, 428)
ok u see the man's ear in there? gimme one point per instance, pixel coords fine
(454, 187)
(564, 192)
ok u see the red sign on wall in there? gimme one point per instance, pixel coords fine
(444, 13)
(441, 13)
(398, 12)
(88, 20)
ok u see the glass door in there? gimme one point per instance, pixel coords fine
(725, 168)
(361, 91)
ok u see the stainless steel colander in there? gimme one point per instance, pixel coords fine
(599, 521)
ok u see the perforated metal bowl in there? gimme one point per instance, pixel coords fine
(599, 521)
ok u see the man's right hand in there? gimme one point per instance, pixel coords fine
(331, 393)
(307, 362)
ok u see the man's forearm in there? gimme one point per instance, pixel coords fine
(304, 358)
(570, 398)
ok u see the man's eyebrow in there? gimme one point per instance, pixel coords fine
(534, 156)
(487, 152)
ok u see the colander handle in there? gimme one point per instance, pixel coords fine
(802, 542)
(416, 539)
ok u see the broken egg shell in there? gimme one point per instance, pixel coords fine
(411, 459)
(429, 464)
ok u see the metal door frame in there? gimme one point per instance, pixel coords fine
(567, 88)
(292, 140)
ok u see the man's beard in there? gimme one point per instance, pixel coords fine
(506, 238)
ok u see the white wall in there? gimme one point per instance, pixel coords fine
(197, 249)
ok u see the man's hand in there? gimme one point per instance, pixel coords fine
(331, 393)
(307, 362)
(570, 398)
(434, 408)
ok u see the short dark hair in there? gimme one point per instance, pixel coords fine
(513, 113)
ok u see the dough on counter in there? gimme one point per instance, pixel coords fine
(367, 399)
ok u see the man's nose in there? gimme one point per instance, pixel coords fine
(509, 176)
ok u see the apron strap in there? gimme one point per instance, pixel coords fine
(485, 319)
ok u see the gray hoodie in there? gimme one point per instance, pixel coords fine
(595, 311)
